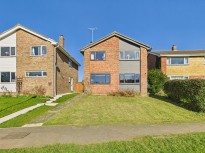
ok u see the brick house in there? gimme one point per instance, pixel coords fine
(37, 61)
(179, 64)
(115, 62)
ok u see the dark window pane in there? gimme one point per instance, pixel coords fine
(44, 73)
(121, 55)
(129, 78)
(36, 50)
(100, 55)
(44, 50)
(5, 51)
(177, 60)
(137, 78)
(13, 77)
(13, 51)
(34, 73)
(5, 76)
(99, 79)
(130, 55)
(122, 78)
(92, 78)
(107, 79)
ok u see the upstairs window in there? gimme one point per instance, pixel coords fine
(38, 50)
(129, 55)
(100, 78)
(8, 77)
(177, 60)
(129, 78)
(8, 51)
(36, 73)
(97, 56)
(70, 63)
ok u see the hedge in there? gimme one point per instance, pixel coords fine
(189, 92)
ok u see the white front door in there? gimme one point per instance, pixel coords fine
(71, 84)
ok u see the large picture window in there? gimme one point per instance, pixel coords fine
(129, 55)
(100, 78)
(129, 78)
(177, 60)
(38, 50)
(8, 77)
(36, 73)
(97, 56)
(8, 51)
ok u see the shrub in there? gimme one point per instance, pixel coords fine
(156, 80)
(191, 93)
(124, 93)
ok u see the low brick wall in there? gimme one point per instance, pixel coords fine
(79, 87)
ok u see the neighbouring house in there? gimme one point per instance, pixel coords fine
(179, 64)
(115, 62)
(30, 61)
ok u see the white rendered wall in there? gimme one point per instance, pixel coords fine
(8, 64)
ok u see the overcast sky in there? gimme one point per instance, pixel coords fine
(157, 23)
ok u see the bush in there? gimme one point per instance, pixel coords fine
(191, 93)
(124, 93)
(156, 80)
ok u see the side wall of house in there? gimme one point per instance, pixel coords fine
(26, 62)
(151, 60)
(8, 63)
(143, 71)
(110, 65)
(64, 74)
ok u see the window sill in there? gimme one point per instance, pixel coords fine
(129, 60)
(7, 56)
(7, 82)
(129, 83)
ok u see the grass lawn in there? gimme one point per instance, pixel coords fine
(95, 110)
(26, 118)
(187, 143)
(9, 105)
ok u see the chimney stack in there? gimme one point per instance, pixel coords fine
(61, 41)
(174, 48)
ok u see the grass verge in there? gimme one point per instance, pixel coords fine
(186, 143)
(34, 114)
(96, 110)
(9, 105)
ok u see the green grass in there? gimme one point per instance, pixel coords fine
(186, 143)
(25, 118)
(34, 114)
(9, 105)
(95, 110)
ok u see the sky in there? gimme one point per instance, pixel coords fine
(157, 23)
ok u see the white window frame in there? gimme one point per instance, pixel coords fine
(9, 51)
(182, 77)
(40, 52)
(10, 77)
(94, 53)
(136, 57)
(170, 58)
(36, 76)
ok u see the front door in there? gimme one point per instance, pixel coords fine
(71, 84)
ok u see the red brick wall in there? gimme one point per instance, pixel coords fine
(164, 64)
(63, 72)
(151, 60)
(143, 71)
(110, 65)
(25, 62)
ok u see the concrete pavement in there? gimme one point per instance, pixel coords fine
(40, 136)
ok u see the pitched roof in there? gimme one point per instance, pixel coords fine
(179, 53)
(119, 36)
(18, 26)
(53, 42)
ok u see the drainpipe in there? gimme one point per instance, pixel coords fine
(54, 67)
